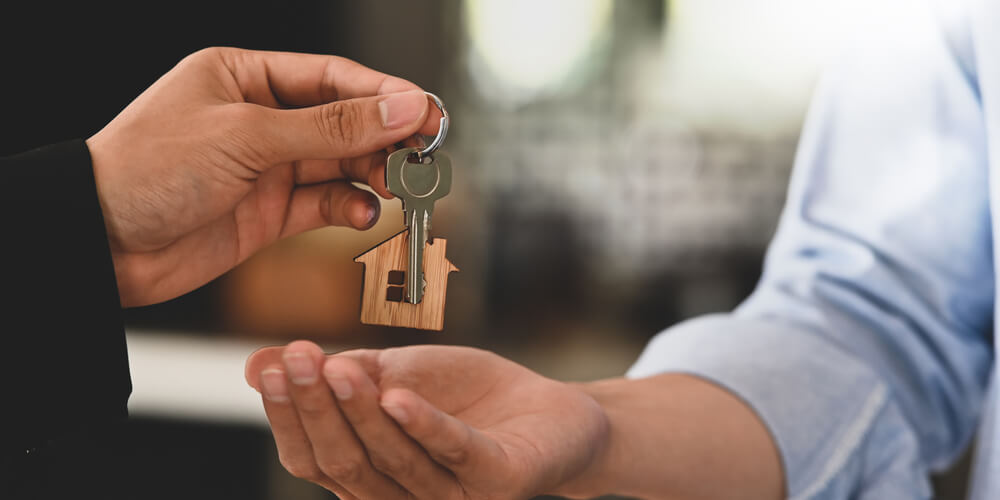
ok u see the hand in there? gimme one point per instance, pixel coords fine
(234, 149)
(481, 427)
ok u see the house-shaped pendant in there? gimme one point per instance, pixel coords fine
(382, 298)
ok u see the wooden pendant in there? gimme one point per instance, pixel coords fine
(382, 298)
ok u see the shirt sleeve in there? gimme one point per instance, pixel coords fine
(65, 365)
(866, 347)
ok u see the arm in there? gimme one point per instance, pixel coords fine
(199, 172)
(60, 289)
(866, 348)
(226, 153)
(451, 423)
(863, 355)
(678, 436)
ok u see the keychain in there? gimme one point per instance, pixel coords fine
(406, 276)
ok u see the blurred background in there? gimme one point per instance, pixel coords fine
(619, 166)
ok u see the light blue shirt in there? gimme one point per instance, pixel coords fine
(867, 348)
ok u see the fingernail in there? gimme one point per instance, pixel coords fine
(340, 385)
(272, 383)
(396, 412)
(402, 109)
(300, 367)
(371, 215)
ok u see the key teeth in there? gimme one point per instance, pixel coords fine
(423, 291)
(410, 299)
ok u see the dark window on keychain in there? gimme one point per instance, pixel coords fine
(395, 293)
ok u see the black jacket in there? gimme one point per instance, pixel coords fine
(64, 369)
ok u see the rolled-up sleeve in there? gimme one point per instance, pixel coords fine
(867, 345)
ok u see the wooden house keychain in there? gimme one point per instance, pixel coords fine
(406, 276)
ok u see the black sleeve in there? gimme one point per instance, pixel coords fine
(64, 368)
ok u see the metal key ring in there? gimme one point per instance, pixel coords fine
(442, 128)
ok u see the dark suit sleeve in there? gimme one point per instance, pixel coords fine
(64, 368)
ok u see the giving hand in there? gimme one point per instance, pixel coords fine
(234, 149)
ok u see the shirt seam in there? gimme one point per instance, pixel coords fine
(851, 441)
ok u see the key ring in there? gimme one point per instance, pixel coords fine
(442, 129)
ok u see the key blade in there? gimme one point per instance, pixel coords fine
(415, 282)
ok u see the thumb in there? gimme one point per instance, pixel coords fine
(347, 128)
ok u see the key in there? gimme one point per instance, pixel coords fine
(418, 183)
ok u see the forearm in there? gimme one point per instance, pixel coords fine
(679, 436)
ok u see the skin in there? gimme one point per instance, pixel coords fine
(233, 149)
(441, 422)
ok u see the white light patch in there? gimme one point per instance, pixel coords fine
(751, 65)
(524, 48)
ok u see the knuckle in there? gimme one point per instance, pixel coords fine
(454, 458)
(326, 207)
(393, 466)
(362, 418)
(328, 82)
(243, 114)
(243, 136)
(301, 469)
(345, 470)
(208, 54)
(338, 123)
(312, 408)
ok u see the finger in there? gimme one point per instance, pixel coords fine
(258, 361)
(294, 451)
(369, 169)
(376, 180)
(340, 129)
(448, 440)
(414, 141)
(308, 79)
(312, 79)
(389, 449)
(265, 356)
(369, 359)
(336, 450)
(331, 204)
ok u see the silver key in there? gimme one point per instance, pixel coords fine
(418, 183)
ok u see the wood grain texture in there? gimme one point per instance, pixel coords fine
(389, 256)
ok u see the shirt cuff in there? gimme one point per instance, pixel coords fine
(818, 402)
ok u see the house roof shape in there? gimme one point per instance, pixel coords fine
(382, 245)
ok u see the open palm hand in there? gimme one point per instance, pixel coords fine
(425, 422)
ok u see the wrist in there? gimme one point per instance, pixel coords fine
(98, 163)
(600, 475)
(664, 430)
